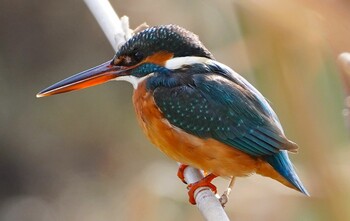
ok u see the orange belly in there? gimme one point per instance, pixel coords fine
(207, 154)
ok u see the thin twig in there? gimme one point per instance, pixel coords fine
(225, 196)
(117, 31)
(107, 18)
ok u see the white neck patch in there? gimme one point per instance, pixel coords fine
(178, 62)
(135, 81)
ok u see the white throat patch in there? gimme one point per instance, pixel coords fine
(135, 81)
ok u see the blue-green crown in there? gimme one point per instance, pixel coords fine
(169, 38)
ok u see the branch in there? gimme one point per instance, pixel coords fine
(117, 31)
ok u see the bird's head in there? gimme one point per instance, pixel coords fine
(156, 49)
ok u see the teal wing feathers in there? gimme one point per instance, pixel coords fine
(213, 106)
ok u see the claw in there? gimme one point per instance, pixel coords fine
(205, 182)
(180, 172)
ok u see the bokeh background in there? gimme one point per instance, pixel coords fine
(81, 155)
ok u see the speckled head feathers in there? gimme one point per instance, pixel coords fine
(168, 38)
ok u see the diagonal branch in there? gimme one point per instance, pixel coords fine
(117, 31)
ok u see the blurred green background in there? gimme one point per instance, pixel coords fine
(81, 155)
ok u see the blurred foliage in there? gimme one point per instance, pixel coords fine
(81, 155)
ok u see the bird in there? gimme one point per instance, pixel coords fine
(196, 110)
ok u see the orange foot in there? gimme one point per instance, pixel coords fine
(205, 182)
(180, 172)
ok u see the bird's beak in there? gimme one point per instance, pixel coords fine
(94, 76)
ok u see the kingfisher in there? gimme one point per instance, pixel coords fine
(195, 109)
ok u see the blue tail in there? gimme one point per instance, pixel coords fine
(281, 163)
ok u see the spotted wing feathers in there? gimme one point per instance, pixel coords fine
(216, 107)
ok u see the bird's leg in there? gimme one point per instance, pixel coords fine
(225, 196)
(205, 182)
(180, 172)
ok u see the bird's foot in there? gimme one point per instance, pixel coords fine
(205, 182)
(180, 172)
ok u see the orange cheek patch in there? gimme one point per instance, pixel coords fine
(159, 58)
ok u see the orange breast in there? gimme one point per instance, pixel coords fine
(206, 154)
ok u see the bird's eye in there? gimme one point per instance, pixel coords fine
(138, 56)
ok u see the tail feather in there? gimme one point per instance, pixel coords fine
(281, 163)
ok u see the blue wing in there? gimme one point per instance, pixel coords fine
(225, 108)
